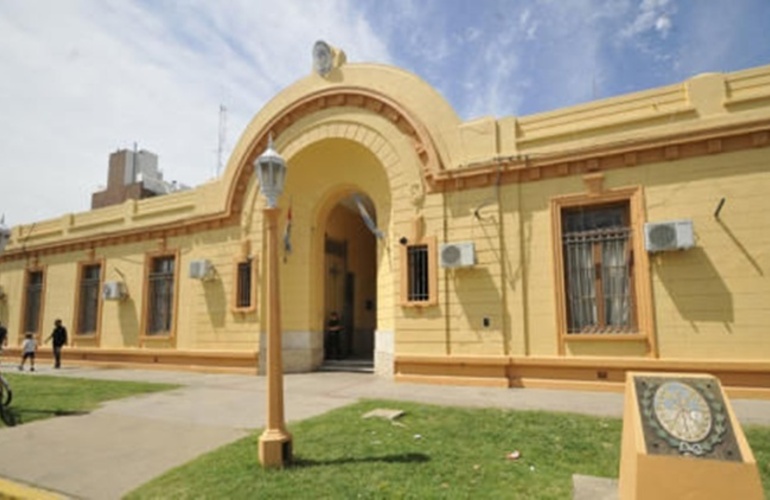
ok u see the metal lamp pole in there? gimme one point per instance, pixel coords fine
(5, 237)
(275, 442)
(5, 234)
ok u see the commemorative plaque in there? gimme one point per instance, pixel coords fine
(681, 440)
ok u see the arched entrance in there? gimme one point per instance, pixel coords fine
(350, 279)
(336, 262)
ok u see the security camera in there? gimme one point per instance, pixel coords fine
(403, 240)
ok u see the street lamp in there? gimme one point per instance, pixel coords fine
(275, 441)
(5, 234)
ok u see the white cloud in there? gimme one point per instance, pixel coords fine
(490, 77)
(84, 78)
(663, 24)
(526, 25)
(653, 15)
(725, 36)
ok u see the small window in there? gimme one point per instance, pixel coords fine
(245, 286)
(88, 301)
(419, 280)
(418, 283)
(33, 302)
(160, 308)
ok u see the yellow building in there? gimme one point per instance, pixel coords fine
(558, 249)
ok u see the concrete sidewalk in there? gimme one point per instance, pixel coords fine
(109, 452)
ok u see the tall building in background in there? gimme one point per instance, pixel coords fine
(132, 175)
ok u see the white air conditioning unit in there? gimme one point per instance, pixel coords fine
(114, 290)
(201, 269)
(461, 254)
(669, 235)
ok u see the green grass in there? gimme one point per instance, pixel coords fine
(438, 453)
(37, 397)
(759, 440)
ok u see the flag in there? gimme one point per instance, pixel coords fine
(287, 234)
(368, 218)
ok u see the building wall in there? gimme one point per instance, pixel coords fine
(387, 135)
(711, 300)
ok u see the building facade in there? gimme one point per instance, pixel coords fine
(559, 249)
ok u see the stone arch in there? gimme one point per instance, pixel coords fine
(367, 135)
(366, 100)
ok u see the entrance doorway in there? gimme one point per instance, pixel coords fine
(350, 280)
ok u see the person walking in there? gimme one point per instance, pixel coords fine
(3, 337)
(28, 349)
(59, 336)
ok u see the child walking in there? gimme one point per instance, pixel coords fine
(28, 351)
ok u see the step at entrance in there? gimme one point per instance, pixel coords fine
(348, 365)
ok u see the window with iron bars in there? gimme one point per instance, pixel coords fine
(419, 282)
(33, 302)
(244, 285)
(598, 269)
(90, 285)
(161, 296)
(418, 285)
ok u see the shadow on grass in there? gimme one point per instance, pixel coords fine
(402, 458)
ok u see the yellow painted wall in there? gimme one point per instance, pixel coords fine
(206, 319)
(709, 302)
(475, 293)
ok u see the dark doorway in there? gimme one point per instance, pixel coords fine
(350, 287)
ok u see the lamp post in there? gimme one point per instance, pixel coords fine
(5, 234)
(275, 441)
(5, 237)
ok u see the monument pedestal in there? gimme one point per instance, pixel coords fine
(681, 440)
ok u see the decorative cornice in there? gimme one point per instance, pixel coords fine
(506, 170)
(632, 153)
(159, 232)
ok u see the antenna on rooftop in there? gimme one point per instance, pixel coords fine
(222, 138)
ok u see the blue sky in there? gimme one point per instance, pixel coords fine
(83, 78)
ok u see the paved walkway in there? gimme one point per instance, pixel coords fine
(109, 452)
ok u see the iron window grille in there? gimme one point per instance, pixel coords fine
(161, 296)
(90, 285)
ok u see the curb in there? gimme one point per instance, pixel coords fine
(12, 490)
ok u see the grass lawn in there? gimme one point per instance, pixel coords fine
(36, 397)
(433, 452)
